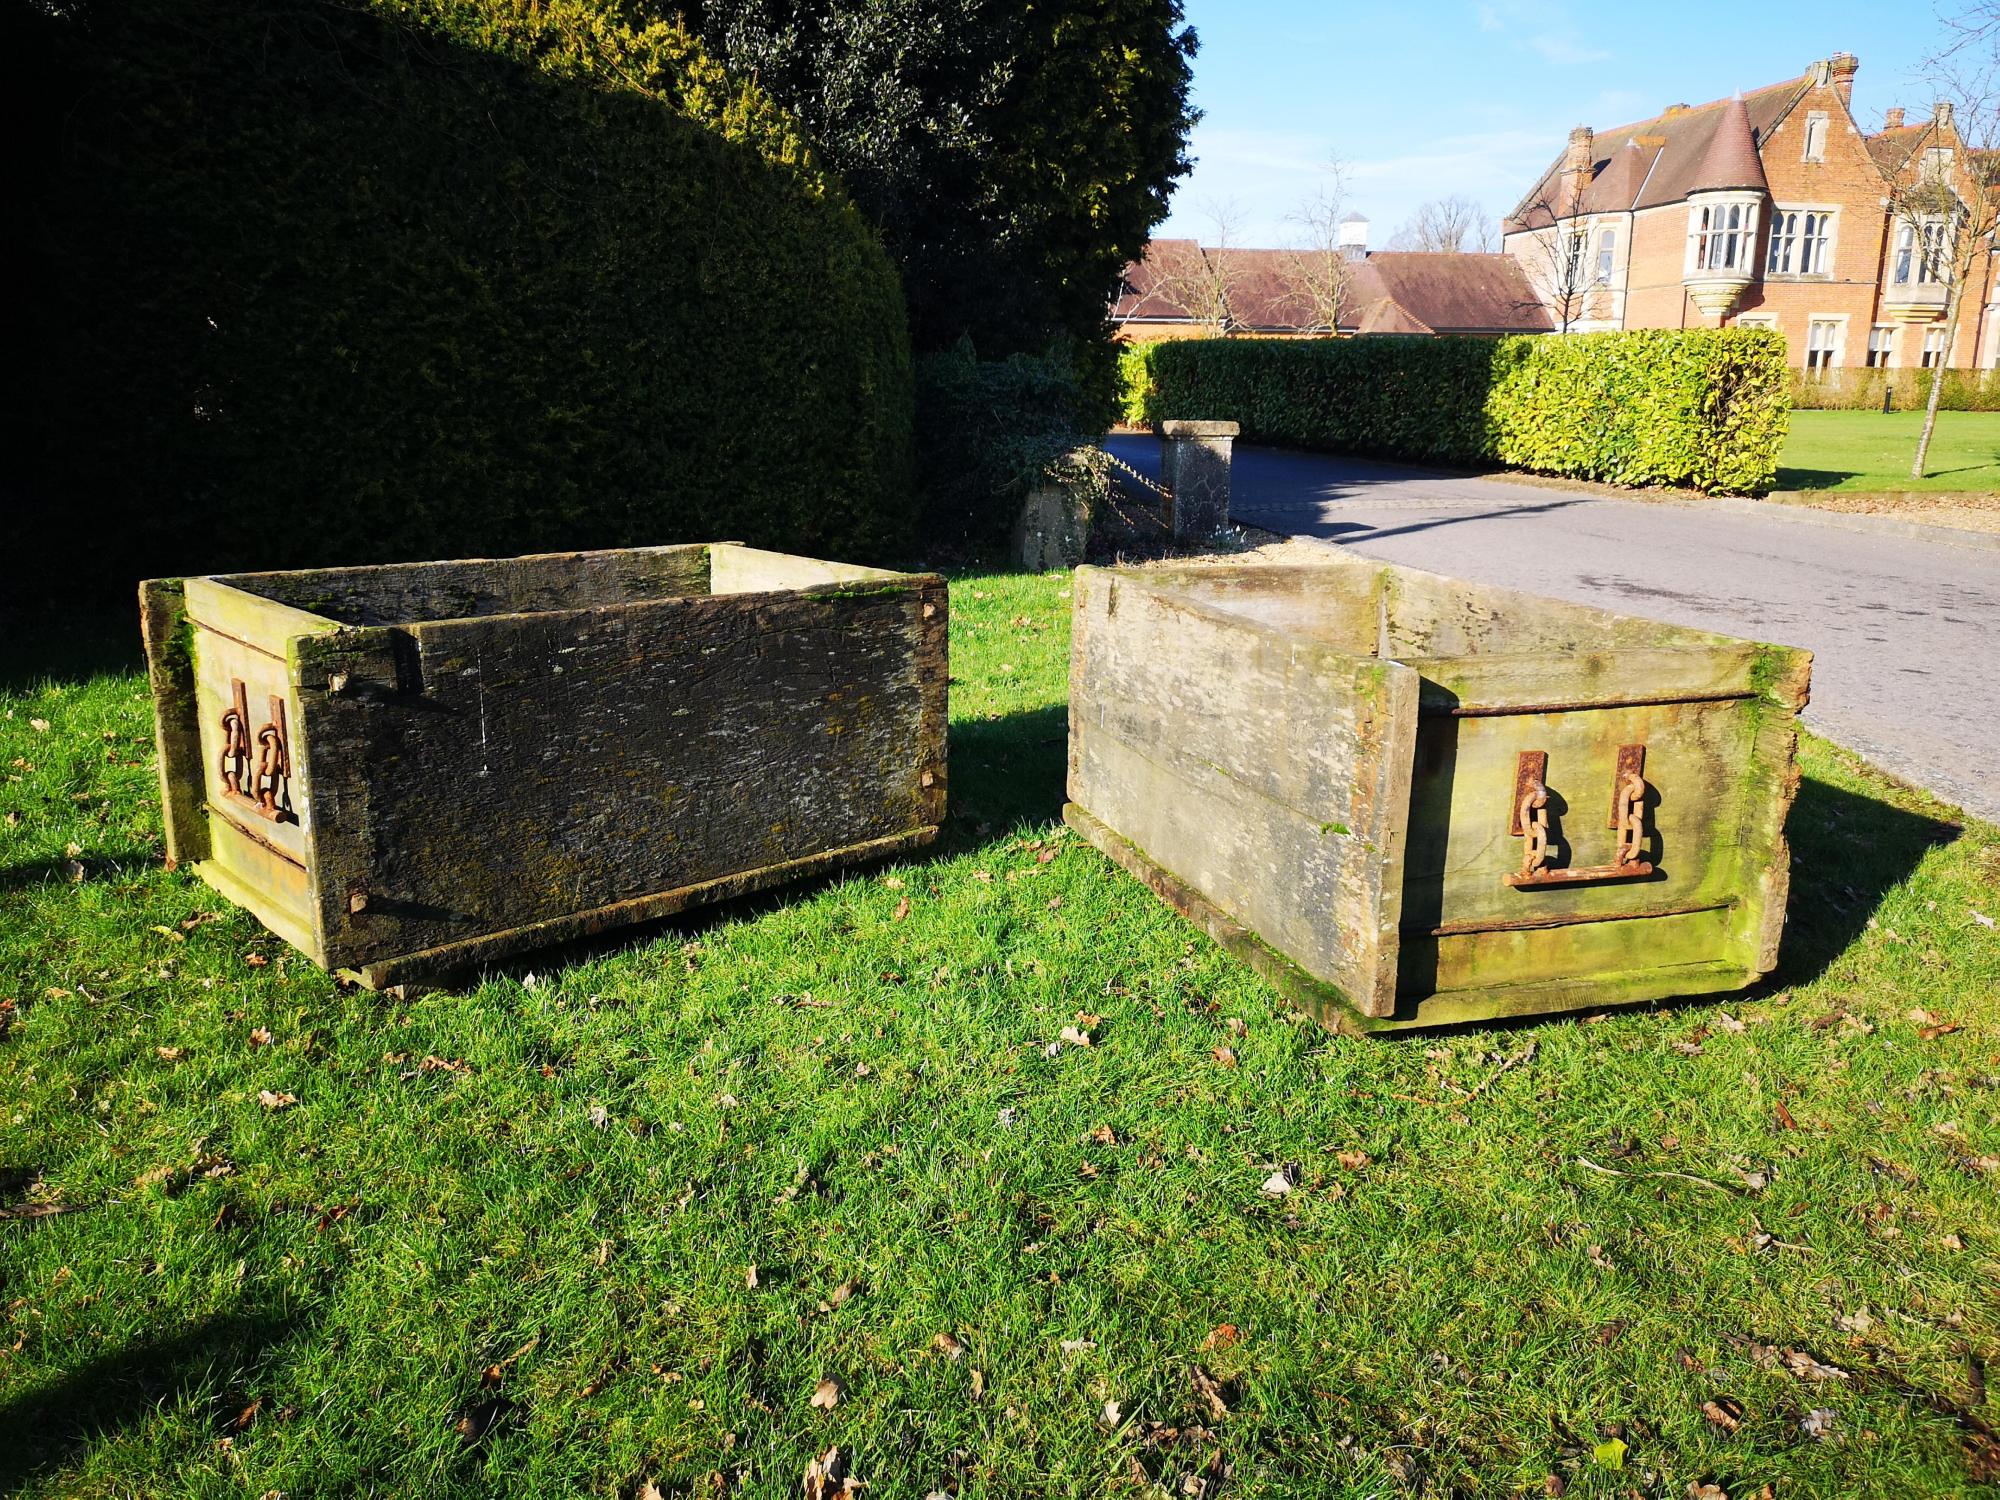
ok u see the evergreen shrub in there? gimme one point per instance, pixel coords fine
(320, 282)
(1707, 409)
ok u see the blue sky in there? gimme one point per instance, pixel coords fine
(1426, 98)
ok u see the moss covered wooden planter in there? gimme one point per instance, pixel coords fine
(405, 771)
(1409, 800)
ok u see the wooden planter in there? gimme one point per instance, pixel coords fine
(1409, 800)
(406, 771)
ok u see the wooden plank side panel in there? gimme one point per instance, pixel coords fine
(275, 888)
(1268, 774)
(1474, 685)
(1698, 761)
(491, 774)
(221, 661)
(405, 593)
(169, 640)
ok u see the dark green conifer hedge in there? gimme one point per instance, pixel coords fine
(1707, 409)
(322, 282)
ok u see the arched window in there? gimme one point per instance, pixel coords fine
(1607, 243)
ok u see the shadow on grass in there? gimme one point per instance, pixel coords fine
(1848, 852)
(46, 645)
(213, 1360)
(1815, 479)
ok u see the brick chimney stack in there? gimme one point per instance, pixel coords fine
(1843, 66)
(1941, 114)
(1575, 175)
(1893, 119)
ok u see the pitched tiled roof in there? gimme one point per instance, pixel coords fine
(1429, 292)
(1387, 315)
(1447, 293)
(1671, 148)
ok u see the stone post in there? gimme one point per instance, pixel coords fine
(1194, 464)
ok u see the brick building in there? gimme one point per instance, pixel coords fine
(1770, 210)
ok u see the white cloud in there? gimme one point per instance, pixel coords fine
(1563, 49)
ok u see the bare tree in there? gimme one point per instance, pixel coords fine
(1556, 256)
(1199, 278)
(1315, 269)
(1448, 224)
(1943, 207)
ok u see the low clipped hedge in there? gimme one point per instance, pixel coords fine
(1705, 409)
(332, 281)
(1908, 390)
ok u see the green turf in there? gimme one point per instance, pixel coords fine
(1869, 450)
(533, 1206)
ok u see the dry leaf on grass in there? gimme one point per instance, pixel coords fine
(1104, 1135)
(1724, 1413)
(1806, 1367)
(1354, 1161)
(948, 1346)
(1224, 1055)
(276, 1101)
(256, 960)
(168, 1054)
(1077, 1346)
(826, 1395)
(902, 910)
(1075, 1036)
(827, 1478)
(1221, 1336)
(1113, 1414)
(978, 1385)
(1205, 1386)
(1281, 1181)
(1817, 1424)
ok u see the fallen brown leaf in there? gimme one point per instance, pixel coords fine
(826, 1477)
(948, 1346)
(1724, 1413)
(1221, 1336)
(1224, 1055)
(1211, 1394)
(826, 1395)
(902, 910)
(1354, 1161)
(272, 1100)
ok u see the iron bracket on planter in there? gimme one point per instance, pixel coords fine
(1529, 819)
(266, 790)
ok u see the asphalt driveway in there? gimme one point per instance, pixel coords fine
(1905, 631)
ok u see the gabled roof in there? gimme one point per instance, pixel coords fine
(1416, 292)
(1445, 293)
(1667, 156)
(1387, 315)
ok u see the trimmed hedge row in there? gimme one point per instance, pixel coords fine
(1909, 390)
(1705, 409)
(320, 282)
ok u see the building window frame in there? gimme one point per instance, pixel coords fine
(1922, 249)
(1607, 255)
(1881, 345)
(1937, 347)
(1815, 136)
(1826, 337)
(1722, 237)
(1802, 241)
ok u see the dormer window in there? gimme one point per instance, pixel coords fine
(1815, 136)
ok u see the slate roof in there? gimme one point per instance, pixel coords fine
(1731, 160)
(1661, 160)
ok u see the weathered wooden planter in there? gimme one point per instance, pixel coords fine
(1410, 801)
(405, 771)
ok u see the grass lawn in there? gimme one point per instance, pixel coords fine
(609, 1218)
(1867, 450)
